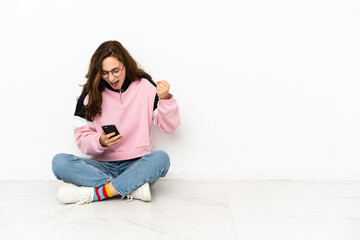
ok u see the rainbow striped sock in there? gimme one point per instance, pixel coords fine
(102, 193)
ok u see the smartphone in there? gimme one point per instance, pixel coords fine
(109, 129)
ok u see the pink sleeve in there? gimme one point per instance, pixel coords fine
(167, 118)
(87, 139)
(86, 136)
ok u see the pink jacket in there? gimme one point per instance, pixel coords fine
(132, 110)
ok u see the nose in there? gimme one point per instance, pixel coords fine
(111, 77)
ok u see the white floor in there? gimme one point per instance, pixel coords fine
(246, 210)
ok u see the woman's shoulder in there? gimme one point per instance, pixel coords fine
(147, 80)
(82, 101)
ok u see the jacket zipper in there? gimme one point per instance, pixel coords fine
(121, 96)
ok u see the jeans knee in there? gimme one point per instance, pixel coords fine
(58, 164)
(163, 158)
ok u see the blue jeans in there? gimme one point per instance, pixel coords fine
(125, 176)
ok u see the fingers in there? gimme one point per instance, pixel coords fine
(114, 140)
(163, 83)
(109, 135)
(162, 89)
(108, 139)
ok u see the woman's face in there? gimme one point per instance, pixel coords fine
(113, 71)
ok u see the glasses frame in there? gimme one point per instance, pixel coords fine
(107, 74)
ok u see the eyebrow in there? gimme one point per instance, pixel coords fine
(110, 70)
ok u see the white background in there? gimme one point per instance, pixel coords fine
(266, 89)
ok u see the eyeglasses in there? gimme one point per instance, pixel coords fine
(116, 72)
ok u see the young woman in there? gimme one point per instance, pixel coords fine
(117, 92)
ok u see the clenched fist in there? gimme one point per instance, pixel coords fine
(162, 89)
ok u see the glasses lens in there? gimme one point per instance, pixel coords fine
(105, 75)
(117, 73)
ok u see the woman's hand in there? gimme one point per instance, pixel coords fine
(162, 89)
(106, 140)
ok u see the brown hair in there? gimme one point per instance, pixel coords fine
(95, 85)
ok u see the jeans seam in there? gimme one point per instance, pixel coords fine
(146, 180)
(163, 169)
(120, 192)
(106, 176)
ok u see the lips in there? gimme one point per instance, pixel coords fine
(115, 83)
